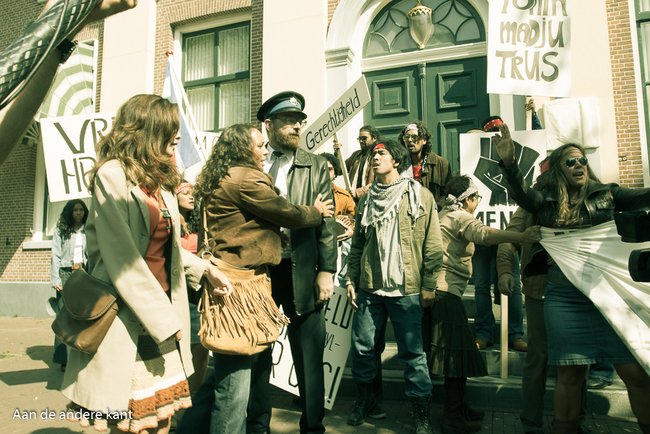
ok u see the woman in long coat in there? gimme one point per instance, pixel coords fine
(137, 378)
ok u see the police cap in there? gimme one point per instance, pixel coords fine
(283, 102)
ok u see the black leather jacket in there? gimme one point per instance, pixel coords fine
(312, 249)
(601, 203)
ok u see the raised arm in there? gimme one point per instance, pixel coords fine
(18, 114)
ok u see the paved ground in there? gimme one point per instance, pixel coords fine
(30, 401)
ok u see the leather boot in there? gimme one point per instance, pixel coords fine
(645, 427)
(472, 414)
(361, 405)
(453, 421)
(564, 426)
(421, 413)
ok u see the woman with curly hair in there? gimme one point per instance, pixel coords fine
(140, 369)
(569, 195)
(68, 255)
(244, 215)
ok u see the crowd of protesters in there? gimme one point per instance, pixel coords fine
(271, 208)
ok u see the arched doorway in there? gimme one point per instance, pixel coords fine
(443, 84)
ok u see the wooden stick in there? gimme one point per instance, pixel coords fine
(344, 169)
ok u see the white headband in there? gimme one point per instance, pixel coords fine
(453, 203)
(411, 127)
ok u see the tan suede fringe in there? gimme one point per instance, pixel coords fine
(247, 320)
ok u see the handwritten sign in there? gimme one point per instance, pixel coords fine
(480, 160)
(338, 331)
(338, 114)
(528, 48)
(69, 150)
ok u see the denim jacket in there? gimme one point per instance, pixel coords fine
(63, 253)
(420, 243)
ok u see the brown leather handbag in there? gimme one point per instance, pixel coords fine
(90, 306)
(247, 321)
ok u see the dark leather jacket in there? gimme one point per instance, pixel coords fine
(435, 175)
(602, 200)
(601, 203)
(312, 249)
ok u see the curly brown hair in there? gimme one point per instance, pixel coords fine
(555, 182)
(143, 128)
(233, 148)
(423, 132)
(65, 225)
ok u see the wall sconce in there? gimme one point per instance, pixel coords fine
(420, 24)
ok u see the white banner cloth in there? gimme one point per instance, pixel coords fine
(595, 261)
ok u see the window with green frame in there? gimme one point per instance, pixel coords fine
(216, 75)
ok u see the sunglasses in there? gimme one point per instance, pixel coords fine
(413, 137)
(570, 162)
(291, 120)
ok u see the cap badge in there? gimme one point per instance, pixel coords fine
(294, 102)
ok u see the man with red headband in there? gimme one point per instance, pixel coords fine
(395, 259)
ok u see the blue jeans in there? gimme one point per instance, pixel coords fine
(239, 383)
(369, 322)
(485, 275)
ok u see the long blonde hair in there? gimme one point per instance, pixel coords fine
(143, 128)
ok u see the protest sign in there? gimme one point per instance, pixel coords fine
(528, 48)
(69, 150)
(338, 323)
(479, 159)
(351, 102)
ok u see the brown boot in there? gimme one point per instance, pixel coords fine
(564, 426)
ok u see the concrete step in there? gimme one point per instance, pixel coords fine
(493, 391)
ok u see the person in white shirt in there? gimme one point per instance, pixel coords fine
(68, 255)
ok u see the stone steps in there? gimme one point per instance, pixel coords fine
(492, 391)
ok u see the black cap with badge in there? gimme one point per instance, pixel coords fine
(283, 102)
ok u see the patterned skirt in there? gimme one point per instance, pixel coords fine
(453, 351)
(158, 389)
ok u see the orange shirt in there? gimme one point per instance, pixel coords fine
(159, 235)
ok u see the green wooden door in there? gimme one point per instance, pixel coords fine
(450, 97)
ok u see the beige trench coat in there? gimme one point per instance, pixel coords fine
(117, 234)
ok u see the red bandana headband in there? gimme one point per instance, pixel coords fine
(492, 124)
(379, 146)
(182, 186)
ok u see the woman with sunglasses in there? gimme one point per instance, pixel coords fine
(569, 195)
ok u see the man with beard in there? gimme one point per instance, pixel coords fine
(358, 163)
(303, 281)
(394, 261)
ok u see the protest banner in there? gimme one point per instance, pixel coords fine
(479, 159)
(69, 151)
(528, 48)
(338, 323)
(351, 102)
